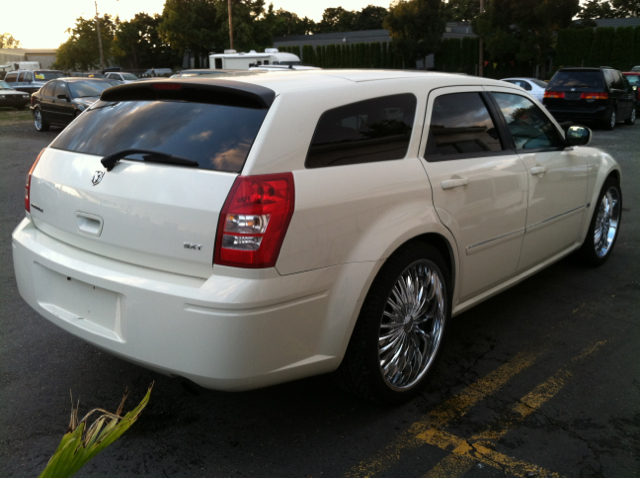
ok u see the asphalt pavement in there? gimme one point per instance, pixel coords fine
(542, 380)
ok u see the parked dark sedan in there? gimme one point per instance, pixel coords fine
(11, 97)
(601, 95)
(60, 101)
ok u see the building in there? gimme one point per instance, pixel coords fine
(452, 30)
(45, 56)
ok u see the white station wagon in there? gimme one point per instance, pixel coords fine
(249, 231)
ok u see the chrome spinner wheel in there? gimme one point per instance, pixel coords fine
(607, 219)
(412, 325)
(37, 119)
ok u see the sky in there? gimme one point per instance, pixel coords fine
(42, 23)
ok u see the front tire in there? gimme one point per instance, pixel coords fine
(400, 329)
(604, 226)
(632, 118)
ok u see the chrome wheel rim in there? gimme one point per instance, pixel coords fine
(613, 119)
(607, 221)
(38, 119)
(411, 326)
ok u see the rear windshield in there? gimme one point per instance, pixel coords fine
(540, 83)
(48, 75)
(129, 76)
(217, 137)
(634, 79)
(581, 81)
(80, 89)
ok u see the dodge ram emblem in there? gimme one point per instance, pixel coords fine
(97, 177)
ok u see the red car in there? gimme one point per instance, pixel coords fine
(634, 81)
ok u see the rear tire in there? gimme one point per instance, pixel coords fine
(38, 122)
(604, 226)
(610, 123)
(398, 335)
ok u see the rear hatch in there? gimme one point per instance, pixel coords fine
(580, 90)
(158, 206)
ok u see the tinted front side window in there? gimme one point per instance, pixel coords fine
(581, 81)
(363, 132)
(217, 137)
(460, 127)
(60, 88)
(529, 127)
(47, 90)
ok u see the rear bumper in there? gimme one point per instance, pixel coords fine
(226, 332)
(595, 114)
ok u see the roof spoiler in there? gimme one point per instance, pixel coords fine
(218, 92)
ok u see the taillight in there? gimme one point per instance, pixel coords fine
(254, 221)
(554, 94)
(27, 193)
(594, 96)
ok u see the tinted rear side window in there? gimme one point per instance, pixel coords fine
(217, 137)
(367, 131)
(461, 127)
(581, 81)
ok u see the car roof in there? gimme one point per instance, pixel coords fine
(74, 79)
(295, 80)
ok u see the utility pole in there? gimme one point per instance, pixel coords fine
(230, 27)
(102, 65)
(481, 49)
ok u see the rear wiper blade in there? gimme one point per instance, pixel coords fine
(110, 161)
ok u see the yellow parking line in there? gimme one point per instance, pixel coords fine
(453, 408)
(466, 455)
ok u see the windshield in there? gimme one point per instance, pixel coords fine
(81, 89)
(4, 85)
(577, 81)
(48, 75)
(129, 76)
(634, 79)
(286, 63)
(218, 137)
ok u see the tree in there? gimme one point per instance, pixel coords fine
(8, 41)
(370, 18)
(524, 30)
(192, 25)
(137, 44)
(627, 8)
(416, 28)
(336, 20)
(81, 51)
(461, 10)
(597, 9)
(281, 23)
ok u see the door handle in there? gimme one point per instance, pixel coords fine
(538, 170)
(449, 184)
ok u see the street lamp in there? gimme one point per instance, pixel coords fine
(102, 66)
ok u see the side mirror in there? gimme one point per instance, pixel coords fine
(62, 96)
(577, 135)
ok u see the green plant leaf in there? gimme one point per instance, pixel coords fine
(79, 447)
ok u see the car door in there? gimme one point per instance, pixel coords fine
(62, 106)
(479, 186)
(46, 97)
(557, 177)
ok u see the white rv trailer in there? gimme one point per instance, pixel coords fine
(232, 60)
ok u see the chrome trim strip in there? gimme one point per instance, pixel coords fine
(553, 219)
(474, 248)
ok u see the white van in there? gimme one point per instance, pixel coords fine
(232, 60)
